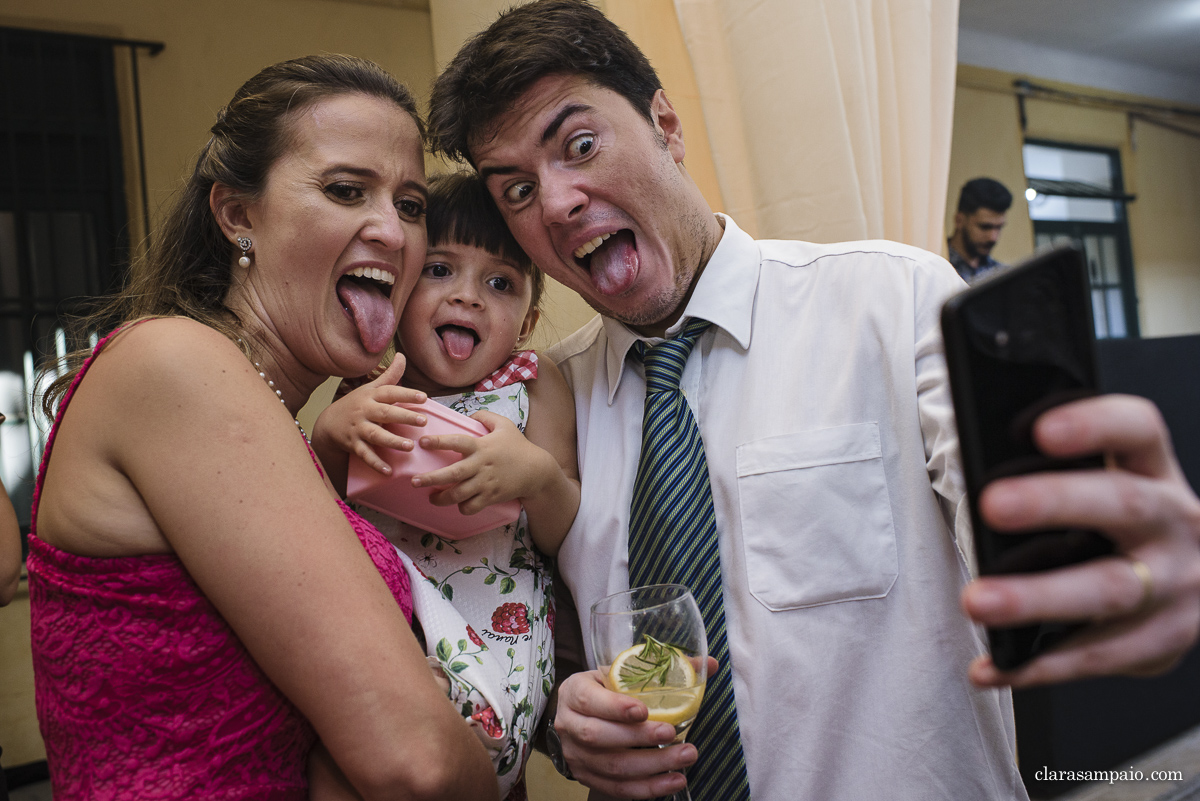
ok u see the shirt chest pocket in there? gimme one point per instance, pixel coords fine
(816, 518)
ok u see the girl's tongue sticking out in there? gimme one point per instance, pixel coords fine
(459, 342)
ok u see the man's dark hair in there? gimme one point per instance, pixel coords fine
(526, 43)
(984, 193)
(461, 212)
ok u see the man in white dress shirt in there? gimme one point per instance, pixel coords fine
(821, 396)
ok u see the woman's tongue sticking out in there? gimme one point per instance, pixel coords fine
(371, 309)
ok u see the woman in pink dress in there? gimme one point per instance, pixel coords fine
(208, 620)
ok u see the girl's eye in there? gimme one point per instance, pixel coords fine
(437, 270)
(344, 192)
(518, 192)
(581, 145)
(409, 209)
(500, 283)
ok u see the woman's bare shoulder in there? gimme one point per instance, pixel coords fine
(168, 377)
(164, 341)
(169, 355)
(149, 396)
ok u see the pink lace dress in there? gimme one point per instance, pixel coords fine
(144, 692)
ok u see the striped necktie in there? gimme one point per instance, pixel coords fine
(673, 540)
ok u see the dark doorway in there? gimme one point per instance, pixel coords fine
(62, 218)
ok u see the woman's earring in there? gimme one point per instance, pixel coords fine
(245, 244)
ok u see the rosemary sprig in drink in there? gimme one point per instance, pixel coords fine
(650, 665)
(662, 677)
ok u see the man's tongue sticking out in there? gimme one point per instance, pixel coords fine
(372, 312)
(614, 264)
(459, 342)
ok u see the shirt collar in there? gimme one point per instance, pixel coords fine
(964, 268)
(724, 295)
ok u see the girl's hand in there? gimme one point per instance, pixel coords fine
(500, 466)
(538, 468)
(355, 423)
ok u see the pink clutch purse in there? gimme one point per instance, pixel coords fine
(395, 495)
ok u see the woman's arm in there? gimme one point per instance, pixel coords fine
(231, 486)
(326, 782)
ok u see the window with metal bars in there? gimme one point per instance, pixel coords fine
(1076, 195)
(62, 218)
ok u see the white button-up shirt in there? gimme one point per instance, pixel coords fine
(822, 400)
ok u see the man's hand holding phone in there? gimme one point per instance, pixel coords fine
(1086, 531)
(1142, 604)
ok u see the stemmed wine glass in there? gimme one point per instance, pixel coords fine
(651, 645)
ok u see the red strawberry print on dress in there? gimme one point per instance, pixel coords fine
(487, 719)
(511, 619)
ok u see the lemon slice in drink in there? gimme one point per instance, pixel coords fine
(662, 678)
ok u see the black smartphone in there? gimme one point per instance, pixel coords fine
(1020, 342)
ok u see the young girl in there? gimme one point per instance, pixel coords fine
(485, 603)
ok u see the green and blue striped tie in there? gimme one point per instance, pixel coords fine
(673, 540)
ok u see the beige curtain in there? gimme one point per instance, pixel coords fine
(829, 120)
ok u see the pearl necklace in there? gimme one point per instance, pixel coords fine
(278, 393)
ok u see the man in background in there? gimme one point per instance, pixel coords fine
(982, 205)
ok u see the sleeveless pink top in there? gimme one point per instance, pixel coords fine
(144, 692)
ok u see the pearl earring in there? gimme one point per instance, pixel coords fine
(245, 244)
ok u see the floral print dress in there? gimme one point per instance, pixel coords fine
(486, 608)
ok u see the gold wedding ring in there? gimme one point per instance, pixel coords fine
(1142, 571)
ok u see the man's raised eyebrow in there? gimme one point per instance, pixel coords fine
(547, 134)
(488, 172)
(560, 118)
